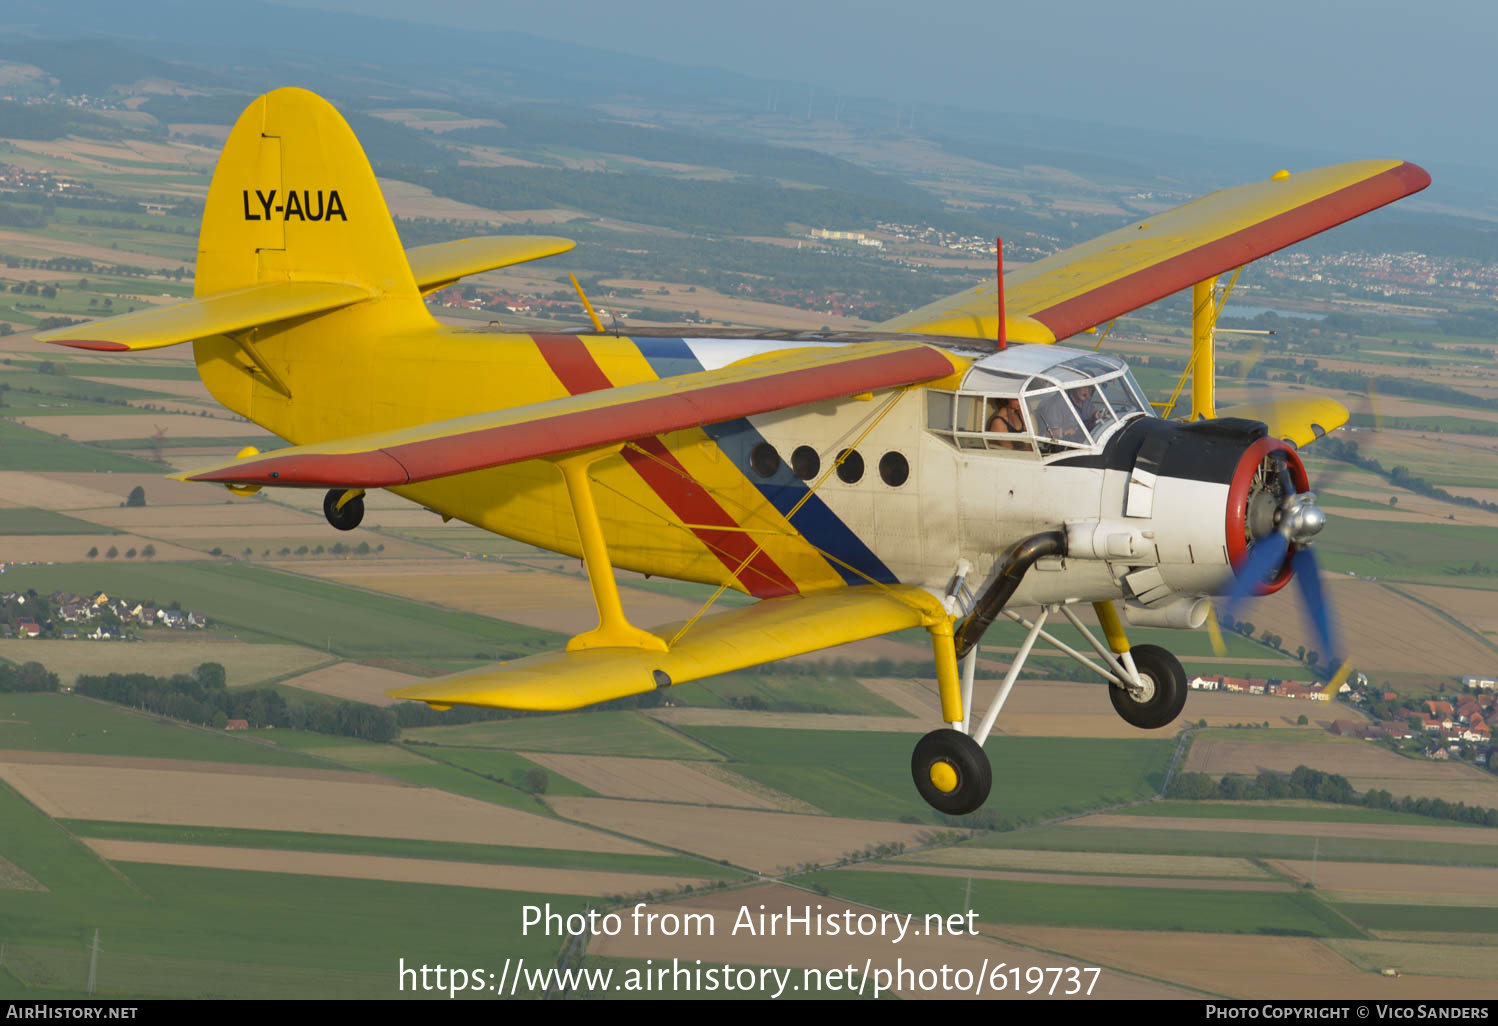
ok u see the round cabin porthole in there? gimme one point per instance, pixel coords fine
(894, 469)
(764, 459)
(850, 467)
(805, 463)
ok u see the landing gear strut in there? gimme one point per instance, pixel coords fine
(344, 508)
(1145, 683)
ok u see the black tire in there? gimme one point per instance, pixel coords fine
(964, 758)
(347, 518)
(1165, 689)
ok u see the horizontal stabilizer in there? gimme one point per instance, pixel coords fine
(1299, 421)
(1092, 283)
(439, 265)
(219, 314)
(776, 628)
(588, 420)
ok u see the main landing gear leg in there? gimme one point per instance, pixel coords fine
(951, 772)
(949, 767)
(1152, 691)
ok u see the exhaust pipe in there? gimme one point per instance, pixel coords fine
(991, 603)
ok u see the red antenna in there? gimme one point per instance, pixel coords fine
(998, 246)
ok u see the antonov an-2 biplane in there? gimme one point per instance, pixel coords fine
(951, 467)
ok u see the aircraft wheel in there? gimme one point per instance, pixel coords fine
(951, 772)
(347, 518)
(1163, 694)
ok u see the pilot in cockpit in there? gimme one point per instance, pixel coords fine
(1089, 405)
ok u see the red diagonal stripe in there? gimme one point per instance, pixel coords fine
(577, 370)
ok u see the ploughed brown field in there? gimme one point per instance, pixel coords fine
(763, 841)
(354, 682)
(307, 801)
(657, 779)
(1301, 828)
(1239, 965)
(379, 867)
(927, 952)
(1388, 631)
(505, 591)
(1364, 765)
(163, 652)
(1398, 884)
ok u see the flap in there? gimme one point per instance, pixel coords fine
(1299, 421)
(218, 314)
(1094, 282)
(588, 420)
(439, 265)
(773, 629)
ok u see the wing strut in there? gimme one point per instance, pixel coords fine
(613, 630)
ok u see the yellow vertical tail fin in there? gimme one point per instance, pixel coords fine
(294, 199)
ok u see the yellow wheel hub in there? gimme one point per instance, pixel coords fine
(944, 777)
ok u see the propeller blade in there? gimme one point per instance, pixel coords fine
(1308, 575)
(1214, 631)
(1265, 558)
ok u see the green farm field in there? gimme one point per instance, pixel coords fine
(263, 934)
(1308, 812)
(1425, 918)
(24, 448)
(591, 733)
(498, 764)
(1418, 552)
(820, 692)
(45, 521)
(489, 854)
(1119, 908)
(1244, 845)
(866, 774)
(270, 604)
(83, 726)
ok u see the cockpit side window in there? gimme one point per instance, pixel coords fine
(979, 420)
(1120, 397)
(1091, 407)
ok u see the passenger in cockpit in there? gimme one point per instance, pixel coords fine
(1007, 419)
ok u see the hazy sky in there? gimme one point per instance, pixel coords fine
(1379, 77)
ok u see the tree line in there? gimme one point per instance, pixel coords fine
(203, 697)
(1315, 785)
(31, 676)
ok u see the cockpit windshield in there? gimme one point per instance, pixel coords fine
(1043, 400)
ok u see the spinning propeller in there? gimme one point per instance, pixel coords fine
(1280, 521)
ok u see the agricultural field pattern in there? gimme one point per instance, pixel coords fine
(163, 856)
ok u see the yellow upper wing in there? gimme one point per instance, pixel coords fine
(589, 420)
(1096, 281)
(439, 265)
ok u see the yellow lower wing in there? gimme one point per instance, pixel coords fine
(1298, 421)
(773, 629)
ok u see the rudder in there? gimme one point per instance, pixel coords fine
(293, 198)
